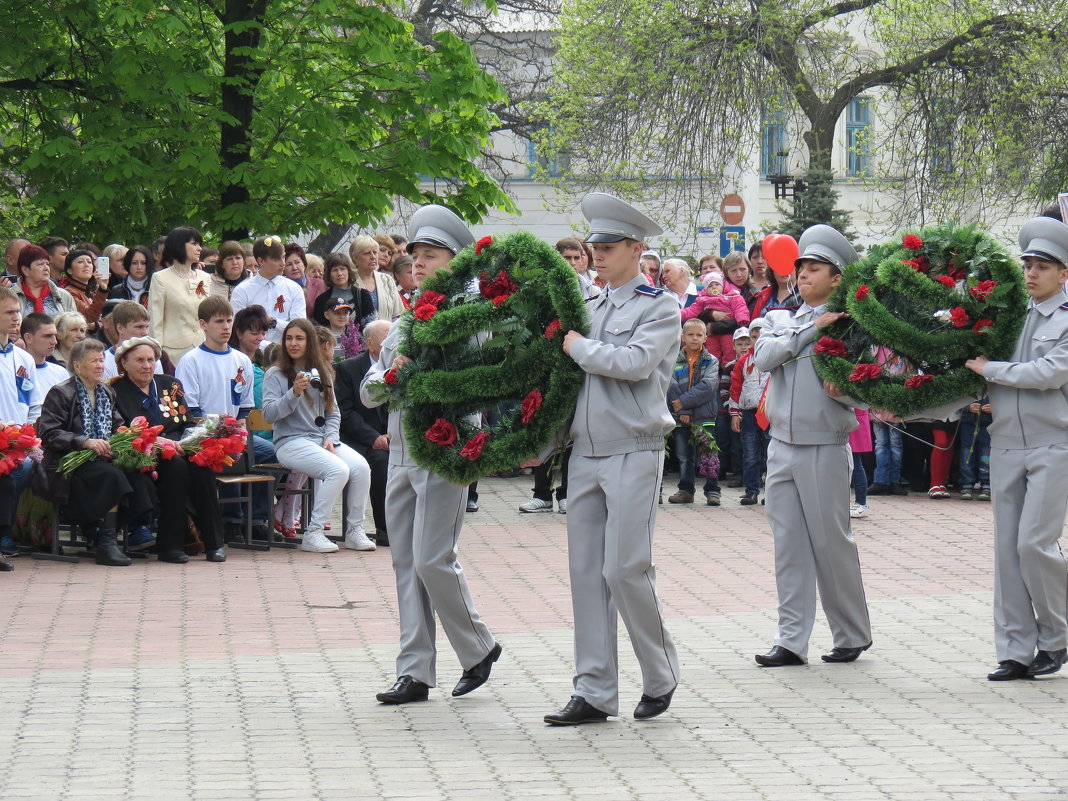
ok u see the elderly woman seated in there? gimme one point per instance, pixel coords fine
(81, 413)
(161, 400)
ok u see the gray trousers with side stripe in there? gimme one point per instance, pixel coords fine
(424, 515)
(1030, 494)
(611, 515)
(807, 491)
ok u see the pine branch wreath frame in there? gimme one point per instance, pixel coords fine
(899, 297)
(527, 299)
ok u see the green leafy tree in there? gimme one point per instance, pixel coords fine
(239, 116)
(817, 204)
(670, 97)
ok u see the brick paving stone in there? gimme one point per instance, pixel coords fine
(255, 679)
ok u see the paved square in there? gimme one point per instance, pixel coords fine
(255, 679)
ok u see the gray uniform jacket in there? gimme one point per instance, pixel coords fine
(628, 357)
(799, 411)
(1029, 394)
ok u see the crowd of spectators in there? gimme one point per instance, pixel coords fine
(178, 330)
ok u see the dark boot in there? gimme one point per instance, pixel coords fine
(108, 551)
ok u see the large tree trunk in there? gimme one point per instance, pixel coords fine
(819, 139)
(242, 75)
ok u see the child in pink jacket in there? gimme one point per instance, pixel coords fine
(718, 296)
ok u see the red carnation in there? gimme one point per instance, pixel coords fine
(831, 346)
(945, 280)
(391, 376)
(500, 299)
(866, 372)
(552, 329)
(473, 449)
(501, 285)
(917, 381)
(435, 299)
(531, 404)
(862, 292)
(981, 326)
(442, 432)
(916, 264)
(484, 242)
(982, 290)
(912, 242)
(959, 317)
(424, 311)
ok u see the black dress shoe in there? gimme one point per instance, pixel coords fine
(218, 555)
(475, 677)
(406, 689)
(879, 489)
(845, 654)
(175, 557)
(650, 707)
(778, 657)
(1008, 670)
(1048, 662)
(577, 711)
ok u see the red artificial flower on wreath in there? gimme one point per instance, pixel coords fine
(552, 329)
(473, 449)
(442, 432)
(484, 242)
(959, 317)
(391, 376)
(493, 289)
(982, 290)
(500, 299)
(912, 242)
(982, 326)
(435, 299)
(424, 311)
(866, 372)
(862, 292)
(531, 404)
(830, 346)
(919, 265)
(946, 281)
(917, 381)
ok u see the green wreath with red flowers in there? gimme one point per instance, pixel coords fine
(918, 310)
(485, 338)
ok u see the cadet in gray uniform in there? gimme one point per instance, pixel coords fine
(424, 514)
(809, 468)
(1029, 467)
(616, 464)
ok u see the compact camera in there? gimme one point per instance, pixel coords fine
(316, 382)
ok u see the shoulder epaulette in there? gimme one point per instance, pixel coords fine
(1063, 306)
(651, 291)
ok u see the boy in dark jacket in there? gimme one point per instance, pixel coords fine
(693, 398)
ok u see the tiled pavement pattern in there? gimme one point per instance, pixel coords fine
(255, 679)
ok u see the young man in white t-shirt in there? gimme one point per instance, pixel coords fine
(39, 338)
(283, 299)
(217, 379)
(20, 402)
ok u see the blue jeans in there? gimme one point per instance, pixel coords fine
(888, 450)
(687, 456)
(754, 451)
(860, 480)
(974, 455)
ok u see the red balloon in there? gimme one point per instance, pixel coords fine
(780, 252)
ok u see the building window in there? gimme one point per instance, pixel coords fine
(858, 129)
(940, 136)
(773, 144)
(539, 164)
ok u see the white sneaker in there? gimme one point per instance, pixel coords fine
(858, 510)
(561, 506)
(317, 542)
(356, 539)
(536, 505)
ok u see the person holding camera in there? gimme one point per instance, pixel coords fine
(298, 399)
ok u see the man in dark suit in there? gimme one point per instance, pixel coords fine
(363, 429)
